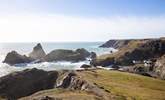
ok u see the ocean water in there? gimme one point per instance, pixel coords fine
(26, 48)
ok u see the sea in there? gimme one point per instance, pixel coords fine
(26, 48)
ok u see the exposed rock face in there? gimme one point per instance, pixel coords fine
(115, 43)
(142, 50)
(26, 82)
(38, 52)
(160, 67)
(137, 50)
(67, 55)
(14, 58)
(29, 81)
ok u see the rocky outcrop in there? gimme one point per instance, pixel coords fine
(115, 44)
(67, 55)
(38, 52)
(29, 81)
(140, 50)
(137, 50)
(72, 81)
(14, 58)
(160, 67)
(19, 84)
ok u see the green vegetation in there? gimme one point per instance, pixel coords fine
(127, 86)
(117, 85)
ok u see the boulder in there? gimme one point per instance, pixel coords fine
(85, 66)
(66, 55)
(38, 52)
(29, 81)
(14, 58)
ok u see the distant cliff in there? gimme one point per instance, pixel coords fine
(134, 50)
(115, 43)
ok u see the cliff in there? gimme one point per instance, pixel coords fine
(115, 43)
(137, 50)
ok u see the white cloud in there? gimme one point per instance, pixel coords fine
(42, 28)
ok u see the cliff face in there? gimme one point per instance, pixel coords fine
(136, 50)
(140, 50)
(115, 43)
(160, 67)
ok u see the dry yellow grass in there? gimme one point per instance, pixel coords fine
(63, 94)
(128, 86)
(121, 85)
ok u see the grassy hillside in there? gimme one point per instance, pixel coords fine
(126, 85)
(119, 85)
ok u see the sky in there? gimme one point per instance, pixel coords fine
(80, 20)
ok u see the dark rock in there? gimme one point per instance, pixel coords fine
(48, 98)
(14, 58)
(93, 55)
(38, 52)
(67, 81)
(83, 52)
(19, 84)
(115, 67)
(85, 66)
(102, 62)
(66, 55)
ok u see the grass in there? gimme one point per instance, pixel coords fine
(63, 94)
(127, 86)
(128, 48)
(119, 85)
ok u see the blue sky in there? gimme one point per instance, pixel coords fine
(99, 19)
(93, 8)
